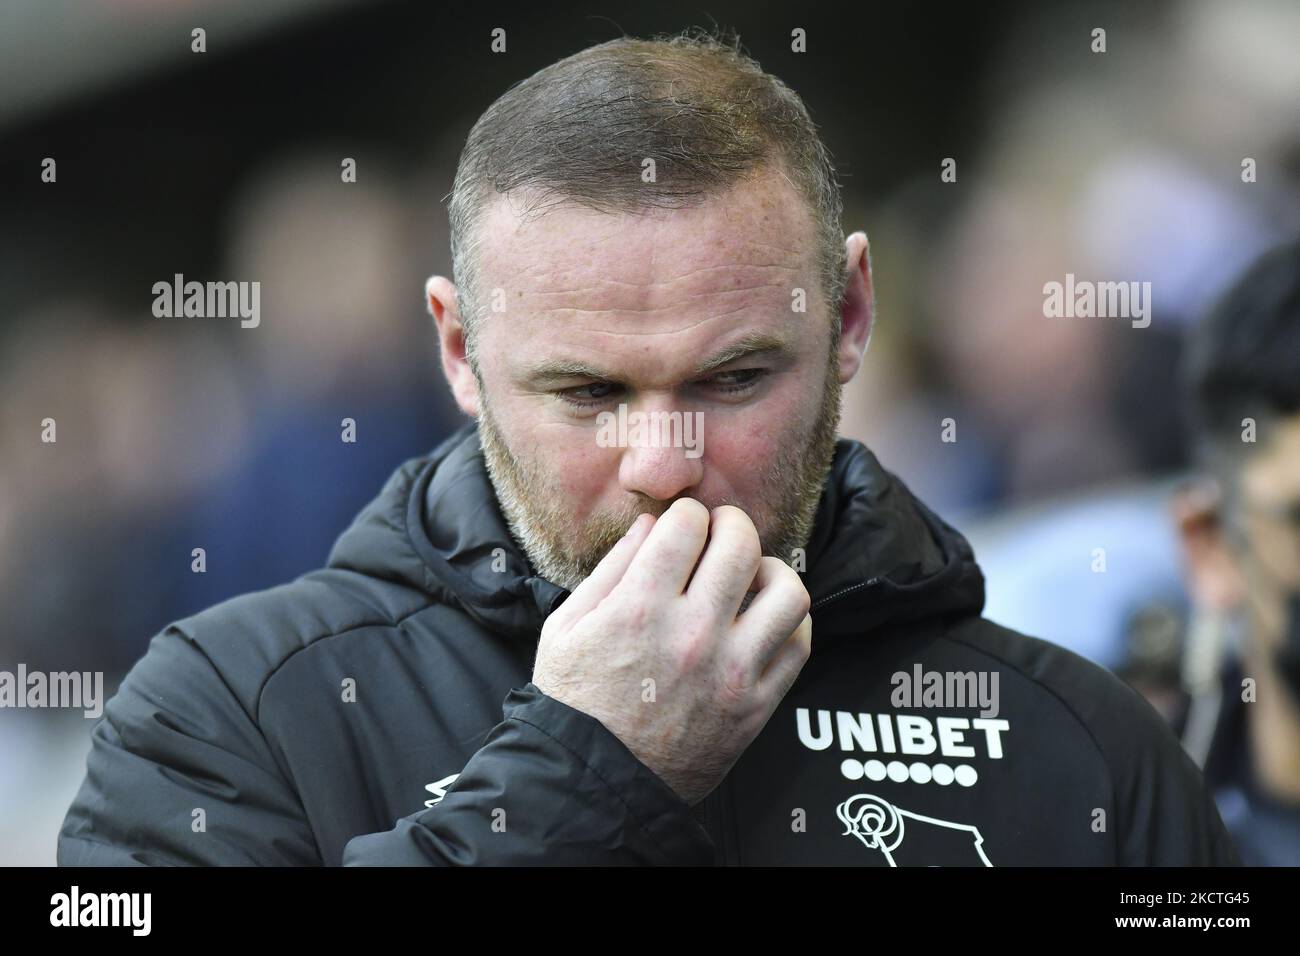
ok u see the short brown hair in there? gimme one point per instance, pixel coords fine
(704, 110)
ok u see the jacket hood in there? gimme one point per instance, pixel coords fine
(877, 555)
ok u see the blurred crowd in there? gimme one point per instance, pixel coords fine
(193, 433)
(184, 433)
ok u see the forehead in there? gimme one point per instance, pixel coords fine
(751, 244)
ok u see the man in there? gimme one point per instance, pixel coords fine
(1241, 540)
(647, 234)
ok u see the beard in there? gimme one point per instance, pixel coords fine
(565, 552)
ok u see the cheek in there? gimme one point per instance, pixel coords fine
(575, 468)
(741, 448)
(584, 472)
(738, 453)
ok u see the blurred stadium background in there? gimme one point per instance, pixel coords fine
(225, 165)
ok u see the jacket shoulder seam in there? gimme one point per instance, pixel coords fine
(333, 632)
(1047, 688)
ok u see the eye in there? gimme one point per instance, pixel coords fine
(588, 396)
(736, 381)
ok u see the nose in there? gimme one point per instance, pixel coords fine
(659, 461)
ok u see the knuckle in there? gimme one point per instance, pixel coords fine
(788, 682)
(748, 549)
(803, 599)
(690, 651)
(736, 682)
(788, 584)
(630, 615)
(636, 615)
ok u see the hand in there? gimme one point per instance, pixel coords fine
(643, 616)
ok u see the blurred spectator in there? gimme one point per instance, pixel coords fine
(1241, 539)
(139, 421)
(343, 337)
(1090, 573)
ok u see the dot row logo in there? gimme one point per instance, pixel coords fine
(918, 772)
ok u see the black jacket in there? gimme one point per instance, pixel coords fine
(379, 711)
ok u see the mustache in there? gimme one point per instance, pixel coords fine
(606, 530)
(623, 519)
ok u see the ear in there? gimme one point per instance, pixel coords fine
(440, 296)
(857, 307)
(1214, 579)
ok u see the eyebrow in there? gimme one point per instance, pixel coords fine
(754, 345)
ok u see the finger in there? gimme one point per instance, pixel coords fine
(606, 574)
(780, 604)
(665, 562)
(730, 562)
(786, 665)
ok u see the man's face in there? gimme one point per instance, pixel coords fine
(1269, 485)
(687, 311)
